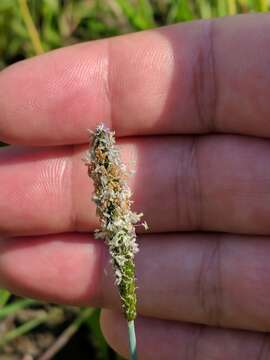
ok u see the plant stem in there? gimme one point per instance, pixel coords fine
(62, 340)
(23, 329)
(222, 7)
(30, 26)
(232, 8)
(205, 9)
(132, 340)
(17, 305)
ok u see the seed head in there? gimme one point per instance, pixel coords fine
(113, 201)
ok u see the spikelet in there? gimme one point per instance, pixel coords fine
(113, 201)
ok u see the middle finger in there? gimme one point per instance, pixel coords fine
(208, 183)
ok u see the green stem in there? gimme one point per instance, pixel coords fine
(132, 340)
(232, 8)
(30, 26)
(222, 7)
(204, 9)
(23, 329)
(17, 305)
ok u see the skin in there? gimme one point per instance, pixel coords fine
(189, 103)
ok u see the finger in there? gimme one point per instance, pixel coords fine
(181, 341)
(63, 268)
(210, 183)
(191, 78)
(215, 280)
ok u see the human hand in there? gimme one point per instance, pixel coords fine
(191, 105)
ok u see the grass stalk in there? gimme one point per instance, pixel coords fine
(66, 335)
(117, 221)
(132, 340)
(23, 329)
(205, 9)
(30, 26)
(15, 306)
(222, 8)
(232, 7)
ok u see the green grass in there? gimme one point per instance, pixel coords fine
(50, 24)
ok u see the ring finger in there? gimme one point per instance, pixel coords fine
(183, 341)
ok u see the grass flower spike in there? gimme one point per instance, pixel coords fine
(113, 200)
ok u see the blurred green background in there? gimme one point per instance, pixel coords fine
(30, 329)
(64, 22)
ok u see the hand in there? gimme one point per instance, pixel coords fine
(191, 105)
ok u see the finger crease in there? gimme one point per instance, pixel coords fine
(193, 349)
(188, 187)
(210, 283)
(74, 219)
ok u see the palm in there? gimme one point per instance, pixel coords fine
(206, 198)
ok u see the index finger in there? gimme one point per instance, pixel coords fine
(200, 77)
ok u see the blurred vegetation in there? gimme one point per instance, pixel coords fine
(63, 22)
(30, 329)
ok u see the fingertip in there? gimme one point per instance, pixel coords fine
(114, 329)
(55, 96)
